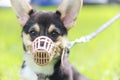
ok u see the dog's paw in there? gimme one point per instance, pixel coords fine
(27, 74)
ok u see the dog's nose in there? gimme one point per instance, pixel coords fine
(41, 43)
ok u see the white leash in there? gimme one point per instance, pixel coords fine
(87, 38)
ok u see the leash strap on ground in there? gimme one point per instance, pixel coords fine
(87, 38)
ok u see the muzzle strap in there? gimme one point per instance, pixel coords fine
(65, 52)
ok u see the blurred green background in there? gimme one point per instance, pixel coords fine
(98, 60)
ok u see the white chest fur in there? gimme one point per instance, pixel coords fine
(47, 69)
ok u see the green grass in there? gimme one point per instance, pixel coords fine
(98, 60)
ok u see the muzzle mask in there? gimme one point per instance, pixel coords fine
(43, 50)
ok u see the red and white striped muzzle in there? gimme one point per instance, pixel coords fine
(43, 50)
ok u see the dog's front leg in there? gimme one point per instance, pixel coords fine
(27, 74)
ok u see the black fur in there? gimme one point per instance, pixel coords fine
(32, 11)
(58, 74)
(23, 65)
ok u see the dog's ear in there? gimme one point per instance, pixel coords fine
(69, 10)
(22, 9)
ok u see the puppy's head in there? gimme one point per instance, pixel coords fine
(54, 25)
(44, 24)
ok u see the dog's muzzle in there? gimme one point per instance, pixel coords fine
(43, 50)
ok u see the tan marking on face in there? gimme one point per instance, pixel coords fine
(62, 41)
(27, 41)
(36, 27)
(61, 44)
(51, 28)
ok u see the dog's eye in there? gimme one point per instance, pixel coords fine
(32, 33)
(54, 34)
